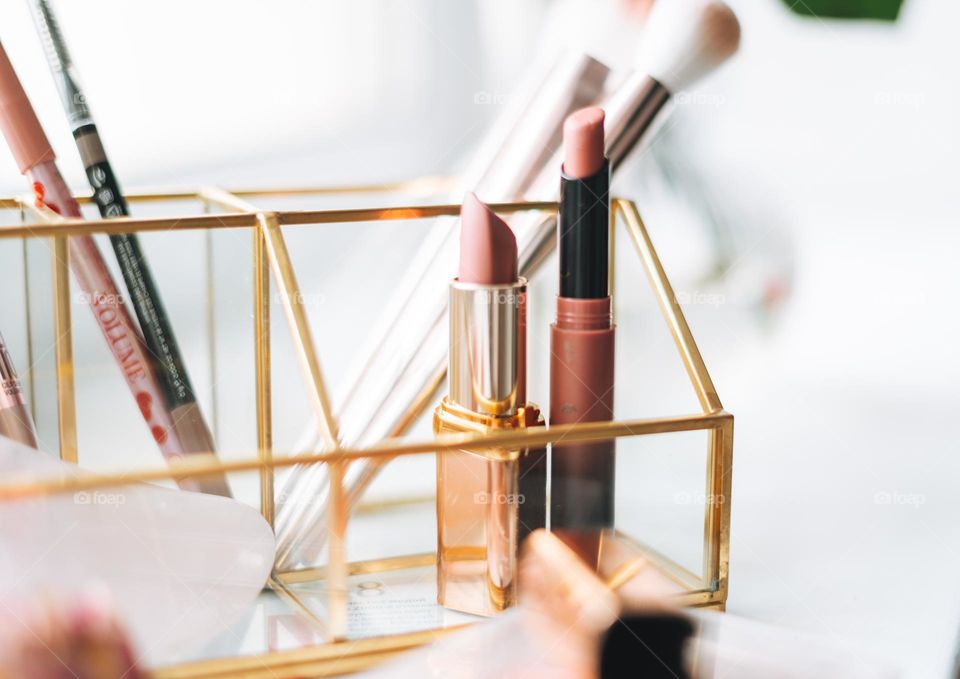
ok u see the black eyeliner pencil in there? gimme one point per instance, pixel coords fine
(190, 427)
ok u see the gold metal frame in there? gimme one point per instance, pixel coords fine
(271, 261)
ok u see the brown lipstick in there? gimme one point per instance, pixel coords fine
(486, 500)
(582, 340)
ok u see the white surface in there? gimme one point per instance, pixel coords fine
(849, 129)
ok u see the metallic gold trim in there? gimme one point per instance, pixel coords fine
(292, 302)
(378, 506)
(214, 196)
(717, 529)
(612, 266)
(66, 394)
(211, 320)
(418, 186)
(80, 227)
(682, 576)
(280, 588)
(261, 342)
(337, 587)
(394, 563)
(28, 321)
(23, 486)
(710, 591)
(484, 374)
(672, 313)
(626, 572)
(419, 404)
(334, 659)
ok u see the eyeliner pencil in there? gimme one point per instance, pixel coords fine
(36, 160)
(164, 352)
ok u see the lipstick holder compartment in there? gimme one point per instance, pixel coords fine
(305, 614)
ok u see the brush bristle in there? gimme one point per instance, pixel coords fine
(685, 40)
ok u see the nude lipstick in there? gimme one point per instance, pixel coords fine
(15, 422)
(582, 340)
(482, 494)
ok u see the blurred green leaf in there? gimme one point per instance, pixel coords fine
(884, 10)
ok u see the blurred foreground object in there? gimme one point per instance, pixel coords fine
(83, 640)
(555, 632)
(179, 567)
(572, 625)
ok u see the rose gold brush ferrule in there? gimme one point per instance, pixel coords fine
(480, 495)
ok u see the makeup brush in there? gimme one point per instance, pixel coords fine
(687, 39)
(683, 41)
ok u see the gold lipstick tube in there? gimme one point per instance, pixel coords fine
(481, 517)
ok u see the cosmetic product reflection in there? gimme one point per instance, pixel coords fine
(15, 422)
(582, 340)
(487, 500)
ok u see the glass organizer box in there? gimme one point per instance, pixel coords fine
(270, 293)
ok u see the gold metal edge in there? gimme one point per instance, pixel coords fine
(291, 300)
(679, 574)
(672, 313)
(416, 186)
(280, 588)
(384, 565)
(366, 651)
(63, 346)
(78, 227)
(261, 329)
(717, 534)
(205, 464)
(377, 506)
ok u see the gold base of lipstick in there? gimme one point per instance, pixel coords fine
(478, 509)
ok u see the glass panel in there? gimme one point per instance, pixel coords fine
(272, 623)
(660, 494)
(206, 282)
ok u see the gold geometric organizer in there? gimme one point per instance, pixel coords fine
(271, 259)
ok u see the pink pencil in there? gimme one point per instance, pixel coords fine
(36, 160)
